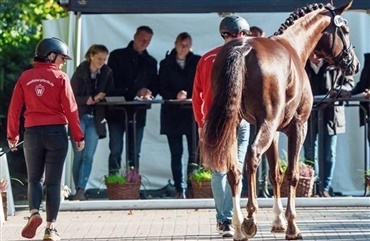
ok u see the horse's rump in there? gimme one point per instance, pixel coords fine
(220, 130)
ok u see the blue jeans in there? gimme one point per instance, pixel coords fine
(116, 129)
(220, 186)
(311, 153)
(368, 131)
(82, 160)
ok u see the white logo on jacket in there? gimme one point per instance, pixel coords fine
(39, 89)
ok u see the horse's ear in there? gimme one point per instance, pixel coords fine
(343, 8)
(331, 2)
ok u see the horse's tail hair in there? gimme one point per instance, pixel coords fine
(219, 149)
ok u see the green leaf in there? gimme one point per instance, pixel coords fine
(201, 175)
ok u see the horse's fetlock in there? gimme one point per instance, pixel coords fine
(294, 181)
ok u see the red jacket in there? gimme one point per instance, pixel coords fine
(46, 92)
(202, 96)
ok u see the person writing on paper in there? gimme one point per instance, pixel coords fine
(135, 77)
(90, 83)
(176, 76)
(324, 80)
(46, 93)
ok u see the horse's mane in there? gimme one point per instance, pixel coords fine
(300, 12)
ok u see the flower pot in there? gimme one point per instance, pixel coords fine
(304, 187)
(123, 191)
(4, 199)
(202, 189)
(367, 181)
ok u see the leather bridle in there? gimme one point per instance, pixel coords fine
(345, 57)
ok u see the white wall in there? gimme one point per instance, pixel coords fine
(115, 31)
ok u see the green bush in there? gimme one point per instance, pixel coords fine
(201, 175)
(131, 175)
(115, 179)
(305, 170)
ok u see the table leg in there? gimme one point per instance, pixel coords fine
(321, 154)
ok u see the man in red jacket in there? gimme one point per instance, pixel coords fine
(231, 27)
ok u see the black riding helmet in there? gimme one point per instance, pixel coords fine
(232, 25)
(51, 45)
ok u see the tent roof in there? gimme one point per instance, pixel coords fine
(197, 6)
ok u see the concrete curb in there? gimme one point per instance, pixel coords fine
(205, 203)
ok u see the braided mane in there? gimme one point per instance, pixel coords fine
(300, 12)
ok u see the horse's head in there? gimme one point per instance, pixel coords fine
(334, 45)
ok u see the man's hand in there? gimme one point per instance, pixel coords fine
(367, 93)
(144, 94)
(333, 94)
(182, 95)
(345, 94)
(80, 145)
(201, 134)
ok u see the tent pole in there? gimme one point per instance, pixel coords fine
(78, 38)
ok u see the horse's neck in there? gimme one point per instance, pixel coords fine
(304, 34)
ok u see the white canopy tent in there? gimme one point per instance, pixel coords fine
(117, 30)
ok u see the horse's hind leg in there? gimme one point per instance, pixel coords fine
(296, 135)
(234, 177)
(262, 140)
(276, 178)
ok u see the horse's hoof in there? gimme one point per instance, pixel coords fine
(280, 229)
(294, 237)
(243, 239)
(249, 228)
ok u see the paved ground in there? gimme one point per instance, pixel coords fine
(316, 223)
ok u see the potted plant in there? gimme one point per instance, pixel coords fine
(306, 179)
(200, 180)
(366, 177)
(4, 193)
(4, 198)
(123, 184)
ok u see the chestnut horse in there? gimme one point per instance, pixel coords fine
(263, 81)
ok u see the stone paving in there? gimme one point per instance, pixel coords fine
(315, 223)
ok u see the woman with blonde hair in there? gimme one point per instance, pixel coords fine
(90, 82)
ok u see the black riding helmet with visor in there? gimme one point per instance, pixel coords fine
(51, 45)
(232, 25)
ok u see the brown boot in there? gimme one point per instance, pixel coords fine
(80, 195)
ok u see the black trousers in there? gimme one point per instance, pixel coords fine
(45, 149)
(176, 148)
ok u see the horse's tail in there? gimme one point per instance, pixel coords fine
(219, 148)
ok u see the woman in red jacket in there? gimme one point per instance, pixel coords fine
(46, 93)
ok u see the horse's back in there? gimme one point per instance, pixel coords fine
(276, 84)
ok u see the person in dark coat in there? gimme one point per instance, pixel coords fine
(324, 80)
(363, 86)
(176, 75)
(135, 77)
(90, 83)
